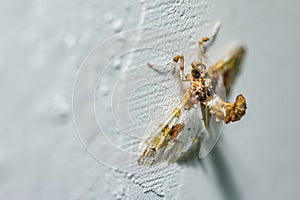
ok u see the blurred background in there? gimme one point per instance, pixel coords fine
(43, 48)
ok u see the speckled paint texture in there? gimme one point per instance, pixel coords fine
(76, 98)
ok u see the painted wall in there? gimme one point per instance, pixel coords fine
(71, 124)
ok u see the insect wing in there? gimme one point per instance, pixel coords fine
(214, 130)
(188, 137)
(176, 136)
(152, 149)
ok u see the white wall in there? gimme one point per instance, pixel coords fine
(43, 44)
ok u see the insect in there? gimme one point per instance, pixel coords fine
(201, 108)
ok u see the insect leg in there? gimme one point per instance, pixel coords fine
(205, 41)
(177, 58)
(155, 66)
(183, 77)
(180, 59)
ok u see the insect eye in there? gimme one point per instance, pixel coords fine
(195, 73)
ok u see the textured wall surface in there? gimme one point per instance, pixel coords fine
(70, 124)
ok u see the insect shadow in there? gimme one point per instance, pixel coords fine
(220, 170)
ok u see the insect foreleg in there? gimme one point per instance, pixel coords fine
(180, 59)
(176, 59)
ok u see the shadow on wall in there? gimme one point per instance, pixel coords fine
(216, 168)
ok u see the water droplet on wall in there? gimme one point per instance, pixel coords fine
(103, 91)
(117, 64)
(108, 18)
(127, 5)
(56, 109)
(117, 131)
(70, 40)
(129, 175)
(117, 25)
